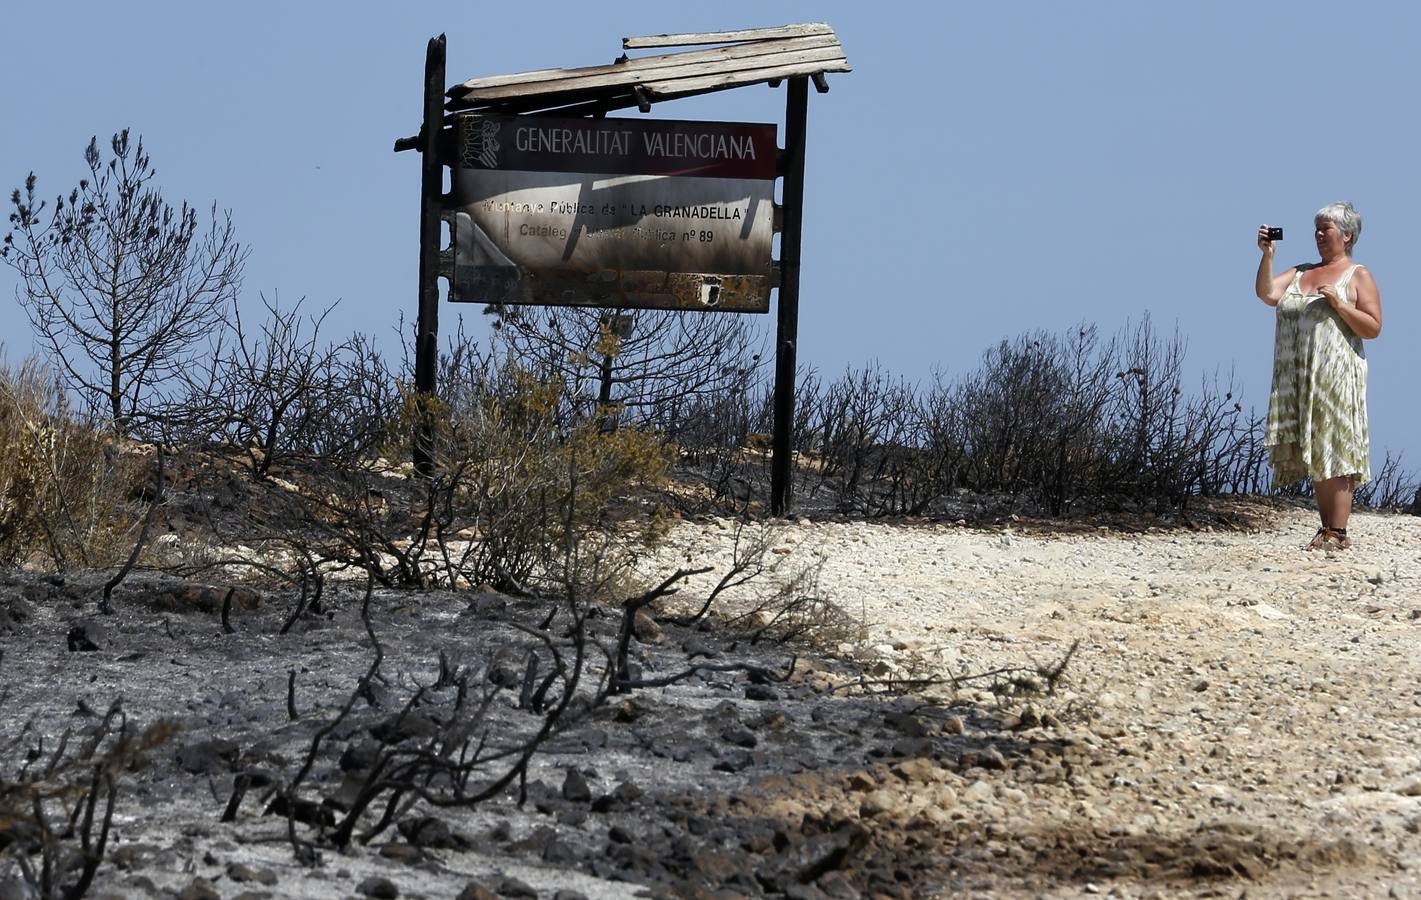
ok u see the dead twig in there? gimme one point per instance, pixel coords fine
(105, 605)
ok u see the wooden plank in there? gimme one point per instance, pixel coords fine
(724, 37)
(665, 90)
(624, 73)
(629, 76)
(585, 103)
(515, 78)
(552, 104)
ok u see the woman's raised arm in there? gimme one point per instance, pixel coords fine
(1268, 288)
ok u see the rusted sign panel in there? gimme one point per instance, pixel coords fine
(613, 212)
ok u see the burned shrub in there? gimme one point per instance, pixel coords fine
(65, 485)
(57, 806)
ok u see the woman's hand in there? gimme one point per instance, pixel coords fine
(1263, 243)
(1364, 315)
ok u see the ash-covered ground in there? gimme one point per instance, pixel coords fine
(1236, 717)
(724, 783)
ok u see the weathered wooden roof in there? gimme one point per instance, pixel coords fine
(742, 58)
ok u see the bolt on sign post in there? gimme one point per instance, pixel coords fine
(555, 204)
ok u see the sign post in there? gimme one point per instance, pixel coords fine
(431, 209)
(787, 320)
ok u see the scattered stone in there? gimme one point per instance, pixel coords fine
(931, 818)
(141, 882)
(740, 737)
(773, 720)
(199, 889)
(912, 747)
(953, 725)
(1200, 686)
(1376, 576)
(1026, 719)
(428, 831)
(629, 711)
(622, 797)
(475, 891)
(86, 636)
(837, 887)
(978, 792)
(917, 771)
(646, 629)
(208, 757)
(619, 835)
(559, 853)
(572, 816)
(876, 803)
(504, 675)
(359, 757)
(717, 868)
(241, 873)
(185, 597)
(575, 788)
(132, 856)
(803, 862)
(404, 853)
(509, 886)
(404, 726)
(986, 758)
(862, 781)
(378, 888)
(906, 723)
(761, 693)
(14, 612)
(738, 761)
(944, 796)
(697, 647)
(488, 602)
(1411, 787)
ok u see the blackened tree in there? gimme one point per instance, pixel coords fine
(121, 287)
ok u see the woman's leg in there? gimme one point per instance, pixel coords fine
(1334, 501)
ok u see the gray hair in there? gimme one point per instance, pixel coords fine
(1347, 220)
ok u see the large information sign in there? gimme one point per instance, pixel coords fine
(613, 212)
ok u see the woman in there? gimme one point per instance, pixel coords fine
(1317, 412)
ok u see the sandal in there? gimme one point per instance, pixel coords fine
(1320, 540)
(1329, 539)
(1337, 539)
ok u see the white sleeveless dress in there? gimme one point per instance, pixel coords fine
(1317, 410)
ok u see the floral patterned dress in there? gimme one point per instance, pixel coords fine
(1317, 411)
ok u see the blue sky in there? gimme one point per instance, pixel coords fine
(988, 168)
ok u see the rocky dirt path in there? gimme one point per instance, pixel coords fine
(1243, 715)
